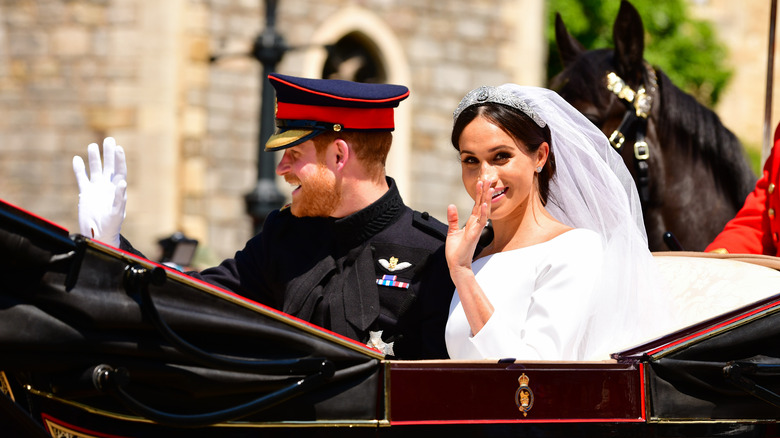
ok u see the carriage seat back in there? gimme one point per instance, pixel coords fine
(704, 285)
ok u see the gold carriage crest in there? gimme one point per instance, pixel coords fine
(524, 397)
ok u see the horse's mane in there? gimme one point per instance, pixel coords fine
(682, 121)
(685, 122)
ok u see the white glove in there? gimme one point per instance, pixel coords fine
(102, 196)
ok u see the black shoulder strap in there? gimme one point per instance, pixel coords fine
(429, 224)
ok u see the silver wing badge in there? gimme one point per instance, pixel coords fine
(392, 265)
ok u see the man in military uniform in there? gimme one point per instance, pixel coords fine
(346, 254)
(756, 227)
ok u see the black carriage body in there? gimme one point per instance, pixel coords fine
(96, 342)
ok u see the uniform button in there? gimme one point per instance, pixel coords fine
(771, 188)
(771, 213)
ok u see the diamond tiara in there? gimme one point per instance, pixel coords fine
(488, 94)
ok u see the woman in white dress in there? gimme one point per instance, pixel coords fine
(567, 275)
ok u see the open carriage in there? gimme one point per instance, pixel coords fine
(100, 343)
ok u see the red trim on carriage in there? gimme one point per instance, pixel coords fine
(568, 420)
(235, 296)
(715, 327)
(33, 216)
(48, 420)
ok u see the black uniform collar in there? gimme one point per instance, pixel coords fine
(362, 225)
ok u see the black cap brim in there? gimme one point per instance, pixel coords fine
(287, 138)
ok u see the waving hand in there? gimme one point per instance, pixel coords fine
(102, 195)
(462, 242)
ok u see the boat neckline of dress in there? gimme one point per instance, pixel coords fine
(536, 245)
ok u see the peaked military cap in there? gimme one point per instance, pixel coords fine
(306, 108)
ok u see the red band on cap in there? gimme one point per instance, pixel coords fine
(349, 118)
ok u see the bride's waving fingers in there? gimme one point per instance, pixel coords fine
(481, 211)
(462, 242)
(457, 250)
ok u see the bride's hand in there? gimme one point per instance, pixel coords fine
(462, 242)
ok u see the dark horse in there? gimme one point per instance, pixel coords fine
(691, 171)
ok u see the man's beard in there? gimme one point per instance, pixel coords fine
(319, 196)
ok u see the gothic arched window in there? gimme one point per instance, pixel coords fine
(354, 58)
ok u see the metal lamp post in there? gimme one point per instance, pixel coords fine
(269, 48)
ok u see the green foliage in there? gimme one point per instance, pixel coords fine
(753, 153)
(687, 50)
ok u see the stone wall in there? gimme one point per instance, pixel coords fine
(221, 169)
(744, 28)
(56, 78)
(73, 72)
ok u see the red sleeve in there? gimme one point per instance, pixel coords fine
(749, 232)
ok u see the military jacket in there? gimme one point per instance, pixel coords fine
(381, 269)
(756, 227)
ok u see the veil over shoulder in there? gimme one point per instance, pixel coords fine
(593, 189)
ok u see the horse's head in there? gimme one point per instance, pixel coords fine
(614, 89)
(585, 81)
(670, 143)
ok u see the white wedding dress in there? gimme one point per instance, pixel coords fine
(540, 295)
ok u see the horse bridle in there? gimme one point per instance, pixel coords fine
(638, 104)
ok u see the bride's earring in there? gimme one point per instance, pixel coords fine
(539, 169)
